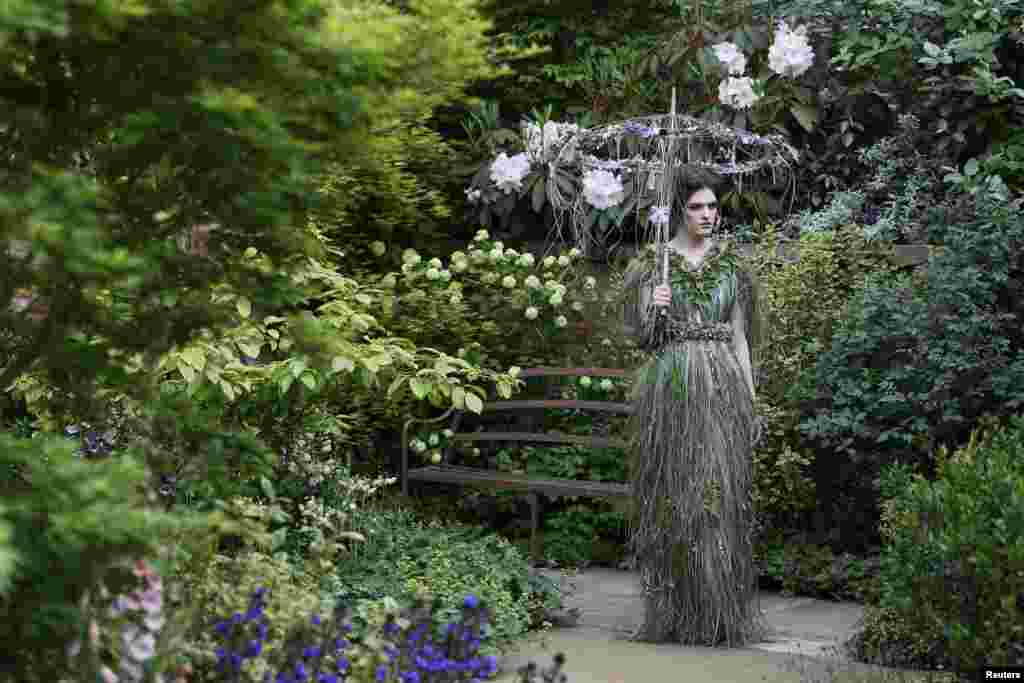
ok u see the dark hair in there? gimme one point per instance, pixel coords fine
(690, 179)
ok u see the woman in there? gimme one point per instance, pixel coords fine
(692, 426)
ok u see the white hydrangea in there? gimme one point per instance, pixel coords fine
(378, 248)
(435, 263)
(446, 275)
(433, 274)
(531, 313)
(602, 189)
(533, 282)
(508, 172)
(737, 92)
(575, 253)
(489, 278)
(477, 255)
(560, 321)
(433, 440)
(791, 54)
(549, 261)
(410, 256)
(407, 268)
(730, 57)
(389, 281)
(459, 266)
(508, 282)
(481, 235)
(526, 260)
(563, 261)
(456, 298)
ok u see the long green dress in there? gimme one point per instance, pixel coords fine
(690, 455)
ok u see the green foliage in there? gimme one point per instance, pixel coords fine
(571, 534)
(70, 524)
(910, 366)
(403, 558)
(955, 557)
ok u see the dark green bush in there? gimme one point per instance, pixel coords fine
(954, 564)
(913, 367)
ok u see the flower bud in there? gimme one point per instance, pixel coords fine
(549, 261)
(455, 298)
(508, 282)
(481, 235)
(532, 282)
(575, 253)
(531, 313)
(378, 248)
(563, 260)
(526, 260)
(560, 321)
(555, 300)
(436, 263)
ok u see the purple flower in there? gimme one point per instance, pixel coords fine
(311, 652)
(342, 664)
(382, 673)
(470, 602)
(659, 215)
(327, 678)
(300, 672)
(315, 620)
(411, 677)
(340, 644)
(223, 628)
(254, 649)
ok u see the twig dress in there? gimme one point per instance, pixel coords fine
(692, 513)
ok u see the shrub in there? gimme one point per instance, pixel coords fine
(70, 525)
(911, 366)
(954, 562)
(403, 558)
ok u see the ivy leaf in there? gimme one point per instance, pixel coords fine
(244, 307)
(420, 389)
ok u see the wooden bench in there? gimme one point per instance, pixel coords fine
(494, 480)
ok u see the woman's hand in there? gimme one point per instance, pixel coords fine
(662, 296)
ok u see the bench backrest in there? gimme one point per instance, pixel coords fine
(494, 406)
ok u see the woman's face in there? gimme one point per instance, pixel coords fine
(701, 213)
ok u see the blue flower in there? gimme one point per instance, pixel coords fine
(470, 602)
(221, 655)
(254, 649)
(236, 618)
(300, 672)
(311, 652)
(342, 664)
(411, 677)
(327, 678)
(236, 662)
(340, 644)
(223, 628)
(382, 673)
(315, 620)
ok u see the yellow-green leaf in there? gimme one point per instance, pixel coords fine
(249, 349)
(308, 380)
(186, 371)
(419, 388)
(364, 299)
(474, 403)
(195, 358)
(459, 398)
(228, 390)
(806, 116)
(250, 252)
(244, 307)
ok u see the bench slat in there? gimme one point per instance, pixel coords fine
(574, 372)
(466, 476)
(607, 406)
(595, 441)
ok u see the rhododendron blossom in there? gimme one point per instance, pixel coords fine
(508, 172)
(602, 189)
(737, 92)
(731, 57)
(791, 53)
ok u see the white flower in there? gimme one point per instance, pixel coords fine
(737, 92)
(606, 342)
(458, 256)
(436, 263)
(659, 215)
(526, 260)
(445, 275)
(511, 254)
(563, 260)
(542, 143)
(460, 353)
(606, 385)
(556, 299)
(472, 195)
(731, 57)
(389, 281)
(508, 282)
(433, 274)
(514, 370)
(500, 246)
(489, 278)
(410, 256)
(481, 235)
(508, 172)
(549, 261)
(477, 255)
(585, 381)
(460, 266)
(495, 254)
(590, 282)
(532, 282)
(378, 248)
(418, 446)
(560, 321)
(351, 506)
(406, 268)
(791, 54)
(455, 298)
(531, 313)
(448, 433)
(602, 189)
(575, 253)
(577, 305)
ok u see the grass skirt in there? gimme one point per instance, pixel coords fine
(693, 514)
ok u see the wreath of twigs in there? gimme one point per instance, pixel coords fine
(640, 151)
